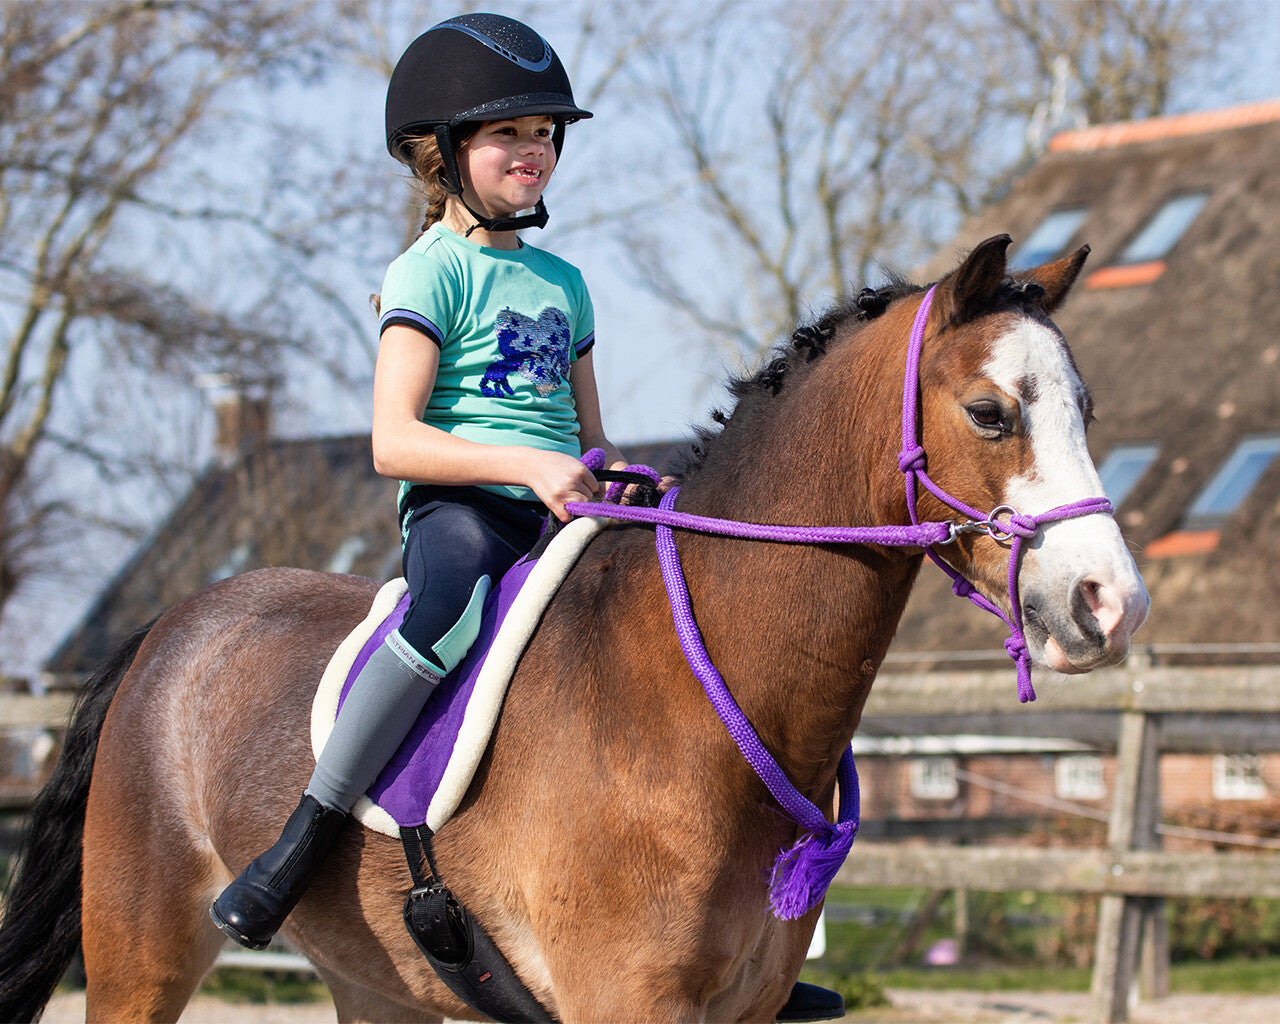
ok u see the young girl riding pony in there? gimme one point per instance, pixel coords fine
(484, 398)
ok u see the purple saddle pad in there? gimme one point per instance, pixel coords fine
(406, 786)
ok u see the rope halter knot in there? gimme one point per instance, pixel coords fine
(912, 460)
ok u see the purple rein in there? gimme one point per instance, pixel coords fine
(802, 874)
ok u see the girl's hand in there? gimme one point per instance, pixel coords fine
(557, 478)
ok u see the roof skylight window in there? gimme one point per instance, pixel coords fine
(1123, 468)
(1231, 485)
(1162, 232)
(1048, 240)
(236, 562)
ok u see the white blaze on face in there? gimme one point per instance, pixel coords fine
(1031, 365)
(1084, 558)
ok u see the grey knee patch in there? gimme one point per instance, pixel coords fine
(424, 668)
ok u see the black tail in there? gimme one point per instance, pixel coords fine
(41, 929)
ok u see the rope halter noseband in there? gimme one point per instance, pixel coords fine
(802, 874)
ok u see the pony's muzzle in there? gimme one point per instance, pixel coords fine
(1101, 617)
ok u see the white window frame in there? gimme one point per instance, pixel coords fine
(237, 561)
(1238, 777)
(1079, 777)
(1165, 229)
(344, 558)
(1123, 467)
(934, 778)
(1243, 465)
(1049, 238)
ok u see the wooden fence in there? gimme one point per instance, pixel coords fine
(1139, 711)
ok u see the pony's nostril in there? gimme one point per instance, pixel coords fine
(1095, 609)
(1031, 614)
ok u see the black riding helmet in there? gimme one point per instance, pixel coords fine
(473, 68)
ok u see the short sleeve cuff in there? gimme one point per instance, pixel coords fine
(408, 318)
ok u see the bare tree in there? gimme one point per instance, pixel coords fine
(125, 252)
(809, 143)
(1122, 58)
(162, 223)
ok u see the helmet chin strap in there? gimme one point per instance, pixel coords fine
(537, 218)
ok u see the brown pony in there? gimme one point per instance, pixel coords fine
(614, 843)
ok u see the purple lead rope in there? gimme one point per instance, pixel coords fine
(802, 874)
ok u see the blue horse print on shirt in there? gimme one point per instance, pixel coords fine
(538, 350)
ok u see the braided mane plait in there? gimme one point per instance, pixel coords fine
(1024, 291)
(797, 355)
(1010, 292)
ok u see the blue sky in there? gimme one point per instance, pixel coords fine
(655, 382)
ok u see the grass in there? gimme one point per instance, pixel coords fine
(257, 987)
(1259, 976)
(876, 939)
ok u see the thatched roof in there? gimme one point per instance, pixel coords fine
(315, 503)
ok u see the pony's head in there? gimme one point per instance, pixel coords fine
(817, 437)
(1003, 418)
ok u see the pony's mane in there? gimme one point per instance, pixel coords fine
(791, 360)
(1010, 292)
(755, 395)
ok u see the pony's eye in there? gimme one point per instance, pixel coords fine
(987, 415)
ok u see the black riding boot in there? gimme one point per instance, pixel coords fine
(809, 1002)
(253, 907)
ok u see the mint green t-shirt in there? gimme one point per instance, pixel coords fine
(509, 323)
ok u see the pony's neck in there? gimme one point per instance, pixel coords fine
(819, 619)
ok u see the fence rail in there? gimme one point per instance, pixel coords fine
(1019, 869)
(1136, 710)
(22, 711)
(1251, 689)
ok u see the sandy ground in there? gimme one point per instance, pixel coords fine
(910, 1007)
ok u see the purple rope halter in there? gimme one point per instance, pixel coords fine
(802, 874)
(1016, 529)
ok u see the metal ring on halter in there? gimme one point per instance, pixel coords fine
(995, 530)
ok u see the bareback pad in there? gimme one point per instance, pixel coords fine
(428, 776)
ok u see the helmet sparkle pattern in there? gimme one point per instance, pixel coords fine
(541, 64)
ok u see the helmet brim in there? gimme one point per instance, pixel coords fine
(560, 108)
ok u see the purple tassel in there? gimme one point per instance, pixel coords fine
(802, 874)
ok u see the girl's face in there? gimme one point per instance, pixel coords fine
(506, 164)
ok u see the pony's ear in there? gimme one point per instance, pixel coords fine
(978, 278)
(1055, 278)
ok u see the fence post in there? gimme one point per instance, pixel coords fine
(1135, 811)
